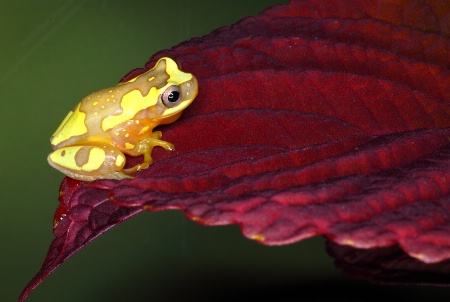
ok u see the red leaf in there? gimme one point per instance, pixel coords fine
(388, 265)
(84, 214)
(312, 118)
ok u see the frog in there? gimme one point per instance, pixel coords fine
(96, 135)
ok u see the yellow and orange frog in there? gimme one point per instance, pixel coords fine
(91, 141)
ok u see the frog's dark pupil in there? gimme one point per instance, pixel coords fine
(173, 96)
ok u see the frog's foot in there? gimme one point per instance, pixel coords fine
(154, 141)
(131, 171)
(145, 148)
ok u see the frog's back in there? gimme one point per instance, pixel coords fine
(84, 122)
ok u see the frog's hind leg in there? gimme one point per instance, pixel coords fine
(89, 163)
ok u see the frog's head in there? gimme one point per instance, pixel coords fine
(181, 88)
(170, 90)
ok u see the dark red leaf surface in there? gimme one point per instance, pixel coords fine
(317, 117)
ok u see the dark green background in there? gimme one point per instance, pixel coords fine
(53, 53)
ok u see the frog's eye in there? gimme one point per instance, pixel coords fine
(171, 96)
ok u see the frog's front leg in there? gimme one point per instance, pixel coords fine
(89, 162)
(145, 147)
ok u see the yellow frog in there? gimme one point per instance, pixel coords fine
(91, 141)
